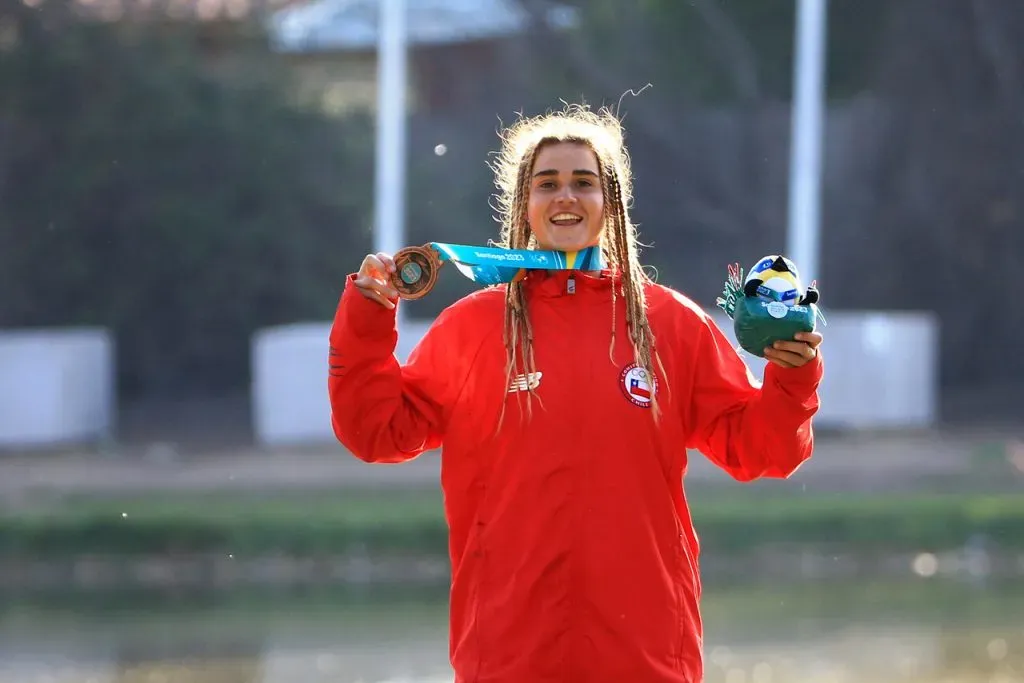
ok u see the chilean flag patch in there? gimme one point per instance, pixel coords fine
(637, 385)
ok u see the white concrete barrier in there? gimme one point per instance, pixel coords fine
(289, 384)
(881, 369)
(57, 386)
(289, 381)
(882, 372)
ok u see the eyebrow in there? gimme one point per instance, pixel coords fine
(551, 171)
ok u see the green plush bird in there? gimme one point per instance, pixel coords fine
(769, 304)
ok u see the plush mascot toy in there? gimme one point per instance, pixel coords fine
(769, 305)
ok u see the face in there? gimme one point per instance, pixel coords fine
(566, 204)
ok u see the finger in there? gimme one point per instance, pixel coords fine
(366, 283)
(799, 348)
(374, 295)
(375, 284)
(812, 338)
(792, 357)
(785, 359)
(372, 265)
(386, 261)
(376, 269)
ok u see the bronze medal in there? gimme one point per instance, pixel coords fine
(416, 271)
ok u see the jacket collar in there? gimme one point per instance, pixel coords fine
(556, 283)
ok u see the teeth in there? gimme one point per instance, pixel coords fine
(567, 217)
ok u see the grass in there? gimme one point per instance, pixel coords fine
(363, 508)
(727, 521)
(889, 522)
(239, 524)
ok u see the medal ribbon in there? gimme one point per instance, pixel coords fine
(494, 265)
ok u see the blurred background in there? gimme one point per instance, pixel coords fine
(184, 185)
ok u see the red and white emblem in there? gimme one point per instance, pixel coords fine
(638, 386)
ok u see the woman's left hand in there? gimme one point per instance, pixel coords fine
(793, 354)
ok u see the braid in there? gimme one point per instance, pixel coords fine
(613, 204)
(625, 257)
(602, 132)
(518, 332)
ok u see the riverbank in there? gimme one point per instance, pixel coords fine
(384, 537)
(164, 515)
(727, 521)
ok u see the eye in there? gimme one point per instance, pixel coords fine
(546, 185)
(585, 183)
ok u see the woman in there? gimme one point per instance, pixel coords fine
(565, 403)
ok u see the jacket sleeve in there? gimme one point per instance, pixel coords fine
(381, 411)
(747, 429)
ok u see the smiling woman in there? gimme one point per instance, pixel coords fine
(572, 162)
(573, 552)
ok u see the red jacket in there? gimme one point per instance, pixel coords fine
(573, 555)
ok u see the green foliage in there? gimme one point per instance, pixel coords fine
(309, 525)
(242, 526)
(145, 194)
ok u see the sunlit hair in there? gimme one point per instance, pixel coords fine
(602, 132)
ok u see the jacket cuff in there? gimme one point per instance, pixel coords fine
(364, 317)
(804, 379)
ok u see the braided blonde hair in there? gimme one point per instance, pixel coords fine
(602, 132)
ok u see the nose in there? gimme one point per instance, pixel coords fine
(566, 194)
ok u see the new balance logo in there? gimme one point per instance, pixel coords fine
(525, 382)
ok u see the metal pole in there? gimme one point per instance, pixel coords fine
(389, 194)
(809, 92)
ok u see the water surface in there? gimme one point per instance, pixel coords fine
(914, 631)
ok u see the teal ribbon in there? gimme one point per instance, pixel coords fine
(494, 265)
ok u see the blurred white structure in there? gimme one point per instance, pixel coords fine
(352, 24)
(806, 140)
(881, 369)
(290, 405)
(881, 373)
(289, 385)
(56, 386)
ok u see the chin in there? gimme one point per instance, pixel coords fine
(570, 242)
(559, 245)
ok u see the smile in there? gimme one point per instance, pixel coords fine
(566, 219)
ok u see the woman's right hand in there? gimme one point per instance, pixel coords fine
(374, 279)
